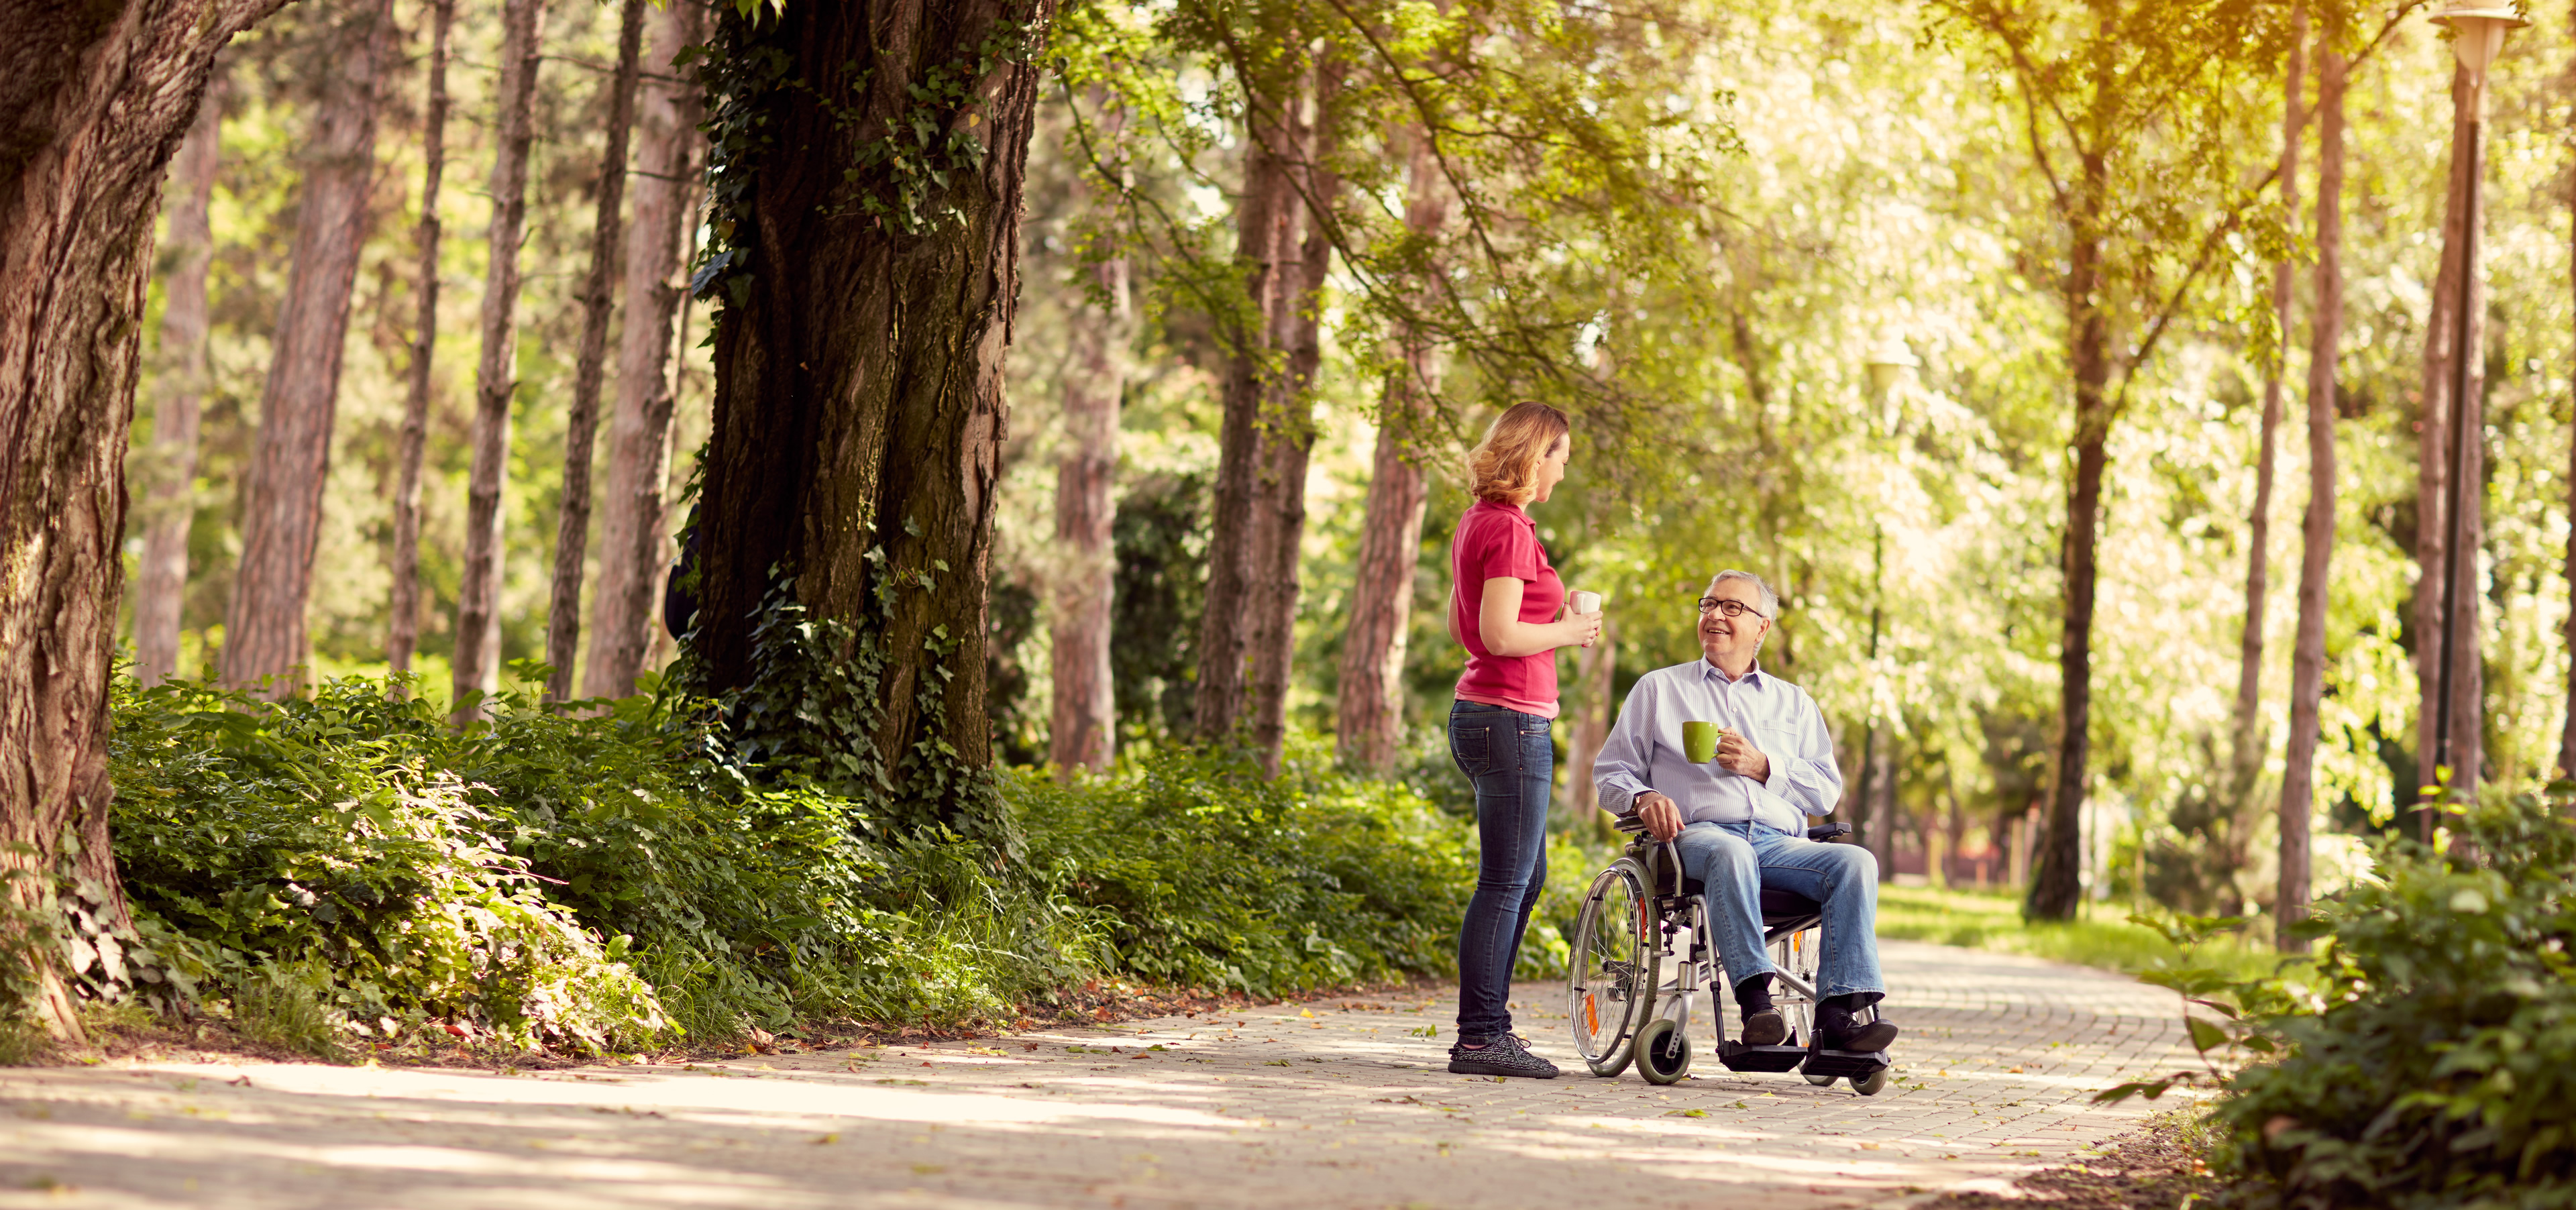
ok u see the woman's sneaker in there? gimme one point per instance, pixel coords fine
(1501, 1055)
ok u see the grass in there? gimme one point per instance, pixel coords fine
(1991, 920)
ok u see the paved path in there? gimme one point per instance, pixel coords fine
(1331, 1104)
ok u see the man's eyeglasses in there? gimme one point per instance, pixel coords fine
(1732, 609)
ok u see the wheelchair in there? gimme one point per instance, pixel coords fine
(1621, 1007)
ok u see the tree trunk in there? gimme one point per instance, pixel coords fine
(1265, 227)
(859, 413)
(581, 425)
(265, 644)
(1288, 441)
(179, 385)
(634, 546)
(94, 100)
(2433, 442)
(1370, 713)
(2567, 633)
(477, 669)
(2055, 887)
(2308, 663)
(1595, 671)
(1082, 732)
(2246, 751)
(404, 634)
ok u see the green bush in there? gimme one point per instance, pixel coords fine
(312, 837)
(1208, 875)
(2439, 1066)
(607, 877)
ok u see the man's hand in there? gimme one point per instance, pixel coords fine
(1663, 820)
(1736, 756)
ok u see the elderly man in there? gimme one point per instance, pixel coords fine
(1741, 820)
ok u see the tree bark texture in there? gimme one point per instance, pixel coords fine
(1370, 712)
(1288, 434)
(859, 413)
(2434, 456)
(179, 385)
(404, 632)
(590, 364)
(2308, 661)
(1266, 255)
(1082, 731)
(265, 644)
(2248, 744)
(2056, 885)
(477, 668)
(94, 100)
(634, 524)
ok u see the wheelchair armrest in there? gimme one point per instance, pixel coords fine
(1828, 832)
(1630, 824)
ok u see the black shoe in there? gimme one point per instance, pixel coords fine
(1763, 1024)
(1838, 1029)
(1501, 1055)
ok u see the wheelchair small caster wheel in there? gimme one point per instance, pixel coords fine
(1869, 1085)
(1663, 1052)
(1817, 1080)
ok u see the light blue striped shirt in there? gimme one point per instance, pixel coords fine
(1644, 751)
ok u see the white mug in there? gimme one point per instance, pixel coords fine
(1587, 602)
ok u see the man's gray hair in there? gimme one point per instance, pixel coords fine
(1770, 599)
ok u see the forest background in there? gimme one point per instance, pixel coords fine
(1869, 199)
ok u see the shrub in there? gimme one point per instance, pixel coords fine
(2439, 1068)
(1207, 875)
(309, 837)
(606, 876)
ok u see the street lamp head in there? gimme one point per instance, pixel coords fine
(2478, 28)
(1888, 362)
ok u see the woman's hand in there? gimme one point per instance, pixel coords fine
(1499, 623)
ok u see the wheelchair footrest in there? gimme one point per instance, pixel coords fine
(1853, 1063)
(1740, 1057)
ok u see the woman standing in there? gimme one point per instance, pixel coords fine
(1506, 607)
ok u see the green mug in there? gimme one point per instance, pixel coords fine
(1699, 742)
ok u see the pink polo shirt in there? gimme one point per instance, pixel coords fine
(1500, 540)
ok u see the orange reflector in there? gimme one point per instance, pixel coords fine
(1591, 1013)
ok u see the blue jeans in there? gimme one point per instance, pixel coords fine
(1736, 860)
(1508, 756)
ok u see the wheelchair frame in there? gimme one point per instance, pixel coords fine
(1648, 1018)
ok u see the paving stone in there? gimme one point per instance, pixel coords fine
(1331, 1104)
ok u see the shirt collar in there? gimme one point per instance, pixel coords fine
(1713, 672)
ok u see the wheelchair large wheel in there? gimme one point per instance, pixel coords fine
(1663, 1051)
(1869, 1085)
(1610, 990)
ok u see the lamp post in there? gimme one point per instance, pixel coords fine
(2478, 28)
(1887, 364)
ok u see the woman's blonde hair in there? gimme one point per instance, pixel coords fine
(1504, 466)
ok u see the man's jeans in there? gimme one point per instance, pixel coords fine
(1736, 860)
(1507, 754)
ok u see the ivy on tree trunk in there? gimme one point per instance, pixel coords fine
(870, 160)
